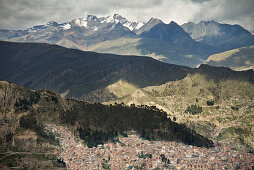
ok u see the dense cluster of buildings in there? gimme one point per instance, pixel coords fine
(134, 152)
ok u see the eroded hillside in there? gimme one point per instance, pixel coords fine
(226, 98)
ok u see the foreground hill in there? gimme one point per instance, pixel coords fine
(75, 73)
(24, 115)
(216, 102)
(237, 59)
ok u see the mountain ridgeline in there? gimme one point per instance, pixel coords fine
(222, 36)
(76, 73)
(188, 45)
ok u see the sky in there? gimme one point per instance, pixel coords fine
(22, 14)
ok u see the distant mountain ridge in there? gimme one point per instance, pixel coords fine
(165, 42)
(223, 36)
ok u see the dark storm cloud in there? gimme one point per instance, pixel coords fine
(20, 14)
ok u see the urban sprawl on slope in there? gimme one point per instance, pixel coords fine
(134, 152)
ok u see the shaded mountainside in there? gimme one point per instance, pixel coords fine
(158, 49)
(216, 102)
(25, 113)
(222, 36)
(237, 59)
(76, 73)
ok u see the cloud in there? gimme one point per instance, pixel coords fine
(21, 14)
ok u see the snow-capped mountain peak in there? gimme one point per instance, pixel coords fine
(91, 18)
(51, 23)
(80, 22)
(119, 19)
(66, 26)
(128, 24)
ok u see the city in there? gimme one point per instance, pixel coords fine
(134, 152)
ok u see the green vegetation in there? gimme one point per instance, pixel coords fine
(105, 164)
(145, 156)
(30, 122)
(210, 102)
(234, 108)
(193, 109)
(94, 138)
(105, 122)
(234, 132)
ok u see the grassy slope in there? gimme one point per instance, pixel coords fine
(237, 59)
(225, 87)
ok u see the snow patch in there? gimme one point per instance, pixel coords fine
(81, 22)
(139, 25)
(128, 25)
(108, 20)
(67, 26)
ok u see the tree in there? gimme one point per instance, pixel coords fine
(210, 102)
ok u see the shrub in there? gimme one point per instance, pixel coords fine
(234, 108)
(210, 102)
(193, 109)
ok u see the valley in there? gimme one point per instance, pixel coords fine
(104, 92)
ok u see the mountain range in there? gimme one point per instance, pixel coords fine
(189, 45)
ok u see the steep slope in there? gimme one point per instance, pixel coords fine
(171, 32)
(226, 98)
(222, 36)
(44, 66)
(26, 142)
(175, 35)
(237, 59)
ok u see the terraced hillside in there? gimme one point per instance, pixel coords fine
(226, 98)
